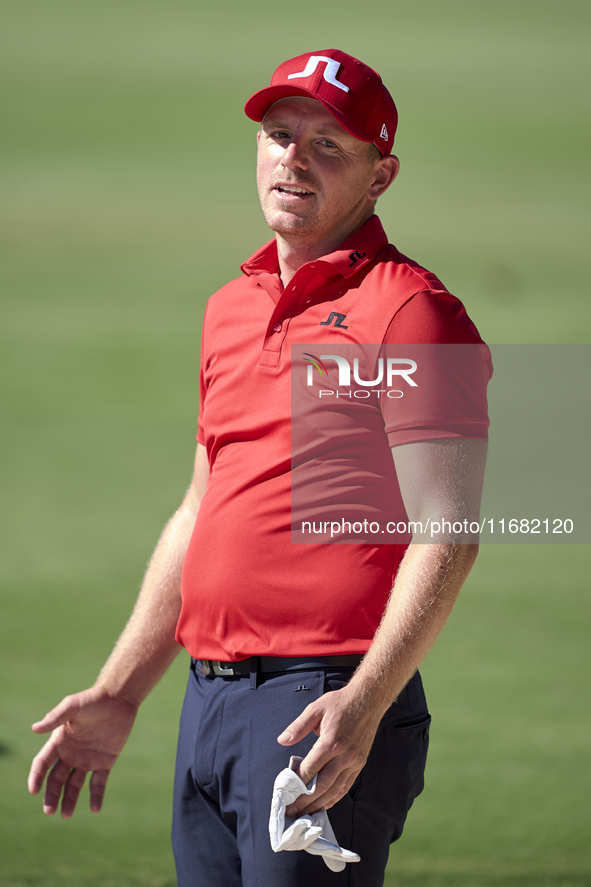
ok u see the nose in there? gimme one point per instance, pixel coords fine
(295, 156)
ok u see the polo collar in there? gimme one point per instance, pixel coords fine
(357, 251)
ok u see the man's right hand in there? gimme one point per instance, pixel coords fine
(91, 728)
(89, 731)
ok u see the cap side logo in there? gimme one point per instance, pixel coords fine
(330, 71)
(384, 133)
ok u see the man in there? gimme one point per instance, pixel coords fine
(304, 641)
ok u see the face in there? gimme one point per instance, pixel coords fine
(316, 181)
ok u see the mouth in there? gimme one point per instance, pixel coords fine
(292, 191)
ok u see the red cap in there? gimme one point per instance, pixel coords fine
(351, 91)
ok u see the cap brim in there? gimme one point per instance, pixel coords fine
(259, 103)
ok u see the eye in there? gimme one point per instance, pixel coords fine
(279, 134)
(328, 143)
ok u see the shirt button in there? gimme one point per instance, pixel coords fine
(277, 328)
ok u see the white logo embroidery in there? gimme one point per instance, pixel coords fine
(330, 71)
(384, 132)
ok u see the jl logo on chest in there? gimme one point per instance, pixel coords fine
(338, 321)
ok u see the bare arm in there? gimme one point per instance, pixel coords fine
(90, 728)
(435, 477)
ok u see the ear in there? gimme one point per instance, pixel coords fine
(386, 171)
(259, 137)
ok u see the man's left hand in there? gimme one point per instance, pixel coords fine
(346, 731)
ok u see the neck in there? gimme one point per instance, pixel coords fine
(293, 251)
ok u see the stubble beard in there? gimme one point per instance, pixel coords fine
(285, 222)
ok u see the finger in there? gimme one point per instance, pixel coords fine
(303, 724)
(72, 791)
(56, 717)
(324, 782)
(98, 784)
(325, 799)
(337, 791)
(58, 776)
(330, 778)
(319, 760)
(40, 765)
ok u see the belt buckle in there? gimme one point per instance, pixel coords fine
(221, 671)
(207, 666)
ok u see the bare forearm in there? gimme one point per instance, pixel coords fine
(346, 720)
(89, 729)
(147, 646)
(445, 473)
(424, 593)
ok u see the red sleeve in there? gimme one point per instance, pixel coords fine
(453, 368)
(432, 317)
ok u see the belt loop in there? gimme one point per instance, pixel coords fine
(254, 672)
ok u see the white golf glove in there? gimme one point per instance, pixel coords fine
(311, 832)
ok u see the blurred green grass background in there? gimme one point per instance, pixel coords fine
(128, 196)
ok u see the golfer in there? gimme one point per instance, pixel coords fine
(307, 649)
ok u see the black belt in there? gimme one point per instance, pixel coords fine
(269, 664)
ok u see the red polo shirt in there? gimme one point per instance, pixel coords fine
(246, 589)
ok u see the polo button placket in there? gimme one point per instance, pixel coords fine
(274, 340)
(289, 301)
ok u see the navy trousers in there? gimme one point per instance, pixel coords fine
(228, 758)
